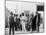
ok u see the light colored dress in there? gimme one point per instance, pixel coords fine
(23, 22)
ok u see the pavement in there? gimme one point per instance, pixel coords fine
(19, 32)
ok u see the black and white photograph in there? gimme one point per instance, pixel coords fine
(24, 17)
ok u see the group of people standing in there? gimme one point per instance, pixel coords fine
(14, 23)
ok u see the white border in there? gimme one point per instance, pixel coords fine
(2, 17)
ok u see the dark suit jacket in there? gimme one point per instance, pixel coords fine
(34, 23)
(34, 20)
(11, 21)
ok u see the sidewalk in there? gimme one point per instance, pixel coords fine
(19, 32)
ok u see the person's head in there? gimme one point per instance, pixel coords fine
(11, 13)
(22, 14)
(14, 15)
(32, 14)
(36, 12)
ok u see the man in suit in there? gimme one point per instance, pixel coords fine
(34, 20)
(11, 23)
